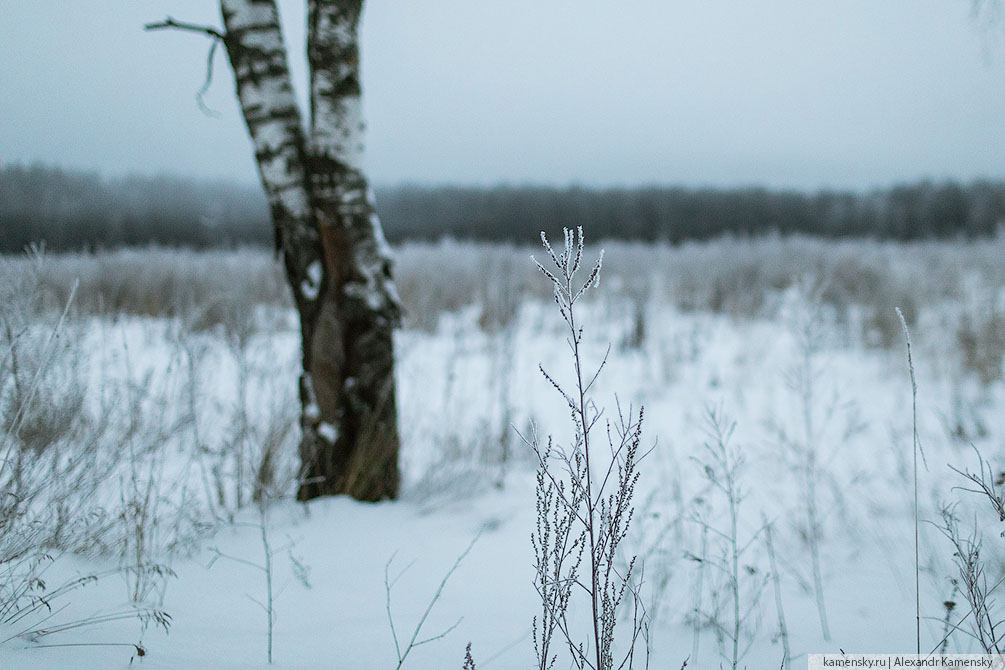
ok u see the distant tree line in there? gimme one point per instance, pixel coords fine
(75, 210)
(78, 210)
(674, 214)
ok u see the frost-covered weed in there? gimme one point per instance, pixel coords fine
(737, 581)
(740, 277)
(52, 467)
(585, 505)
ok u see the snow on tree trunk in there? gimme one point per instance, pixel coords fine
(337, 261)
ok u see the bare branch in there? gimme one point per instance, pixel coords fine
(210, 32)
(190, 27)
(201, 93)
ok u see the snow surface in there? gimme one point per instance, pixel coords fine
(455, 406)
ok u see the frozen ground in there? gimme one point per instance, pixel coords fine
(464, 390)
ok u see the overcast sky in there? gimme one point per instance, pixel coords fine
(794, 93)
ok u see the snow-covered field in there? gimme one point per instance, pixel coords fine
(153, 434)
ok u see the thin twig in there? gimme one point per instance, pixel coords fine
(415, 641)
(181, 25)
(217, 37)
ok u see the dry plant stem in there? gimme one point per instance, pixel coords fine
(914, 419)
(600, 515)
(140, 497)
(783, 630)
(956, 626)
(812, 515)
(42, 491)
(723, 469)
(986, 486)
(242, 433)
(696, 638)
(268, 577)
(161, 618)
(414, 641)
(730, 487)
(265, 568)
(808, 332)
(735, 576)
(12, 612)
(191, 366)
(972, 578)
(973, 583)
(505, 355)
(133, 507)
(15, 425)
(583, 421)
(508, 647)
(90, 644)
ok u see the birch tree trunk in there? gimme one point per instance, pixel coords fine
(337, 261)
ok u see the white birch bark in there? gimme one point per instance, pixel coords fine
(337, 142)
(336, 95)
(265, 93)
